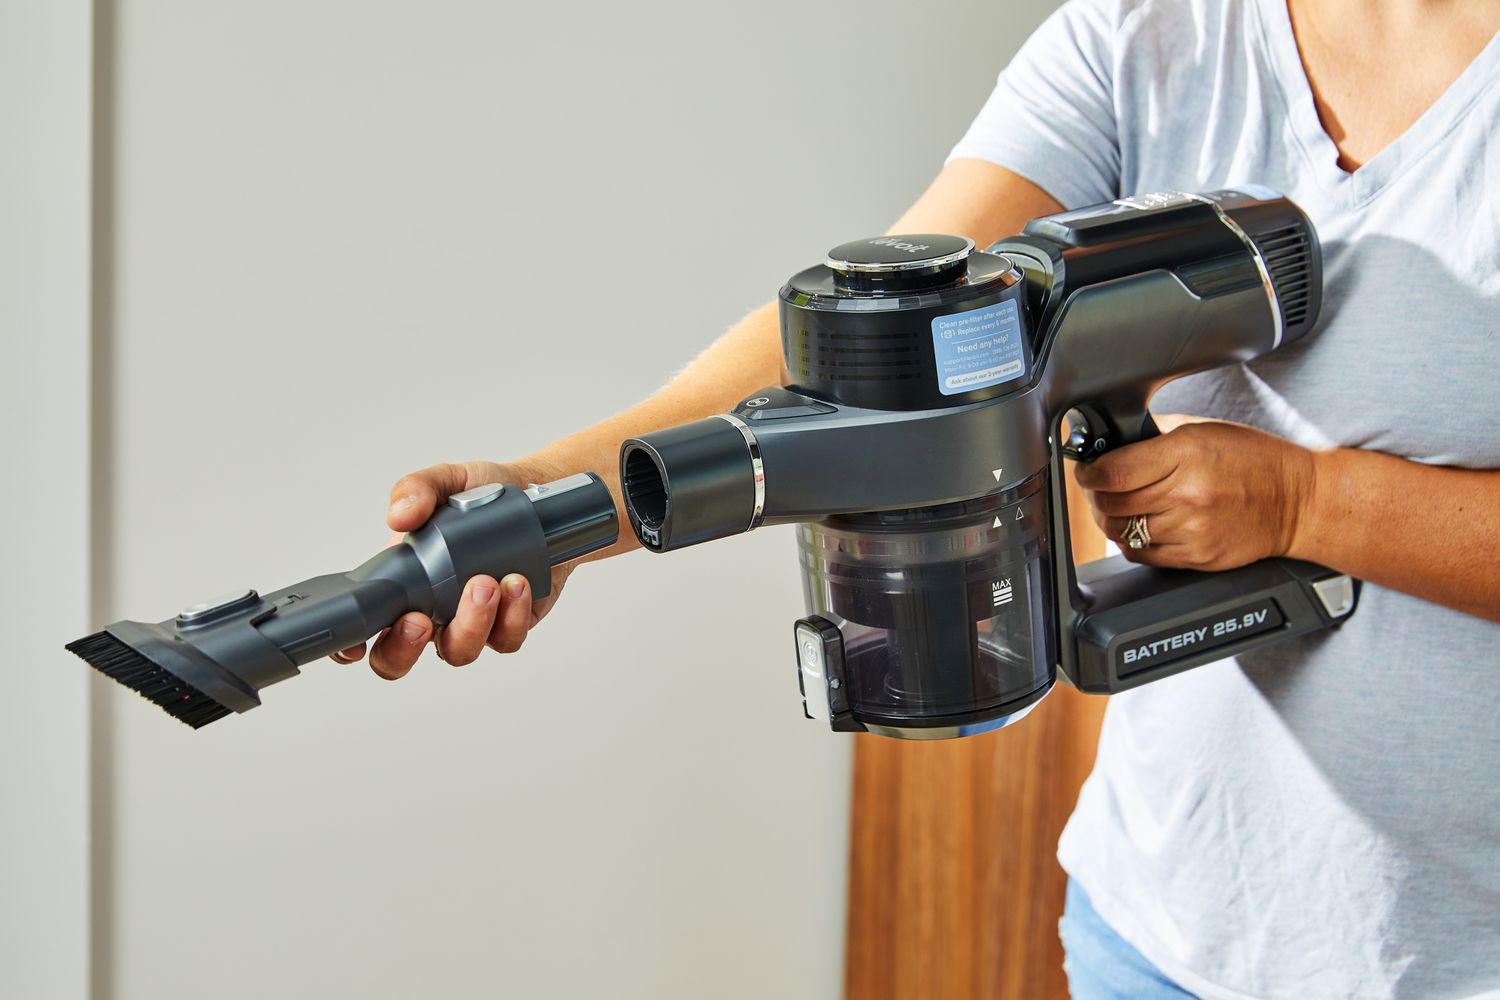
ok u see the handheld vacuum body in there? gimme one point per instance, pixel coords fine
(918, 447)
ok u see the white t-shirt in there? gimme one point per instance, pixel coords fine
(1321, 818)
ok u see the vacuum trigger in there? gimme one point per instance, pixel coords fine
(1085, 441)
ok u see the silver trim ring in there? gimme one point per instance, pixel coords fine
(756, 465)
(953, 732)
(1008, 277)
(902, 265)
(1260, 261)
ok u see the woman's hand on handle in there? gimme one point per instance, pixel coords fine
(1215, 495)
(493, 613)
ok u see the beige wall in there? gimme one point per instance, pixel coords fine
(44, 506)
(347, 239)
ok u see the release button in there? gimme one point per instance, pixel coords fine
(209, 609)
(807, 409)
(477, 497)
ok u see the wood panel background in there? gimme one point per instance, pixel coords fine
(954, 887)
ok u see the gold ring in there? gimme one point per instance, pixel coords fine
(1137, 536)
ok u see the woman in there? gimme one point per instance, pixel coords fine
(1320, 819)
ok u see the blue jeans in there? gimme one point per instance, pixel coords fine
(1100, 965)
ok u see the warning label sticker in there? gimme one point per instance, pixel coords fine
(978, 348)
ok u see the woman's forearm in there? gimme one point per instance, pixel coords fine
(1429, 531)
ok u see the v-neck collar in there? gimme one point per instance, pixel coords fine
(1420, 138)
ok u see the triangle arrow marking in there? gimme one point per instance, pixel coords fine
(996, 524)
(997, 474)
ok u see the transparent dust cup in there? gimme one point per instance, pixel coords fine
(946, 612)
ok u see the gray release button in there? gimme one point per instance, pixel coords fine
(477, 497)
(1336, 593)
(538, 490)
(811, 408)
(196, 611)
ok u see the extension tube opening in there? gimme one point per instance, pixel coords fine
(688, 484)
(645, 488)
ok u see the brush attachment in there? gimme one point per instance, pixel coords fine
(215, 657)
(118, 661)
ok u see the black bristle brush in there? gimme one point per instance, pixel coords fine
(118, 661)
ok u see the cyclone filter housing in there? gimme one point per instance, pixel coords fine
(942, 612)
(906, 323)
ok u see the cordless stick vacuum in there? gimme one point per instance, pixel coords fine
(918, 445)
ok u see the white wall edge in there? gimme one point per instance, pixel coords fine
(46, 80)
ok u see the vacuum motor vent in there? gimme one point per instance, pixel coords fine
(1288, 254)
(849, 357)
(1289, 245)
